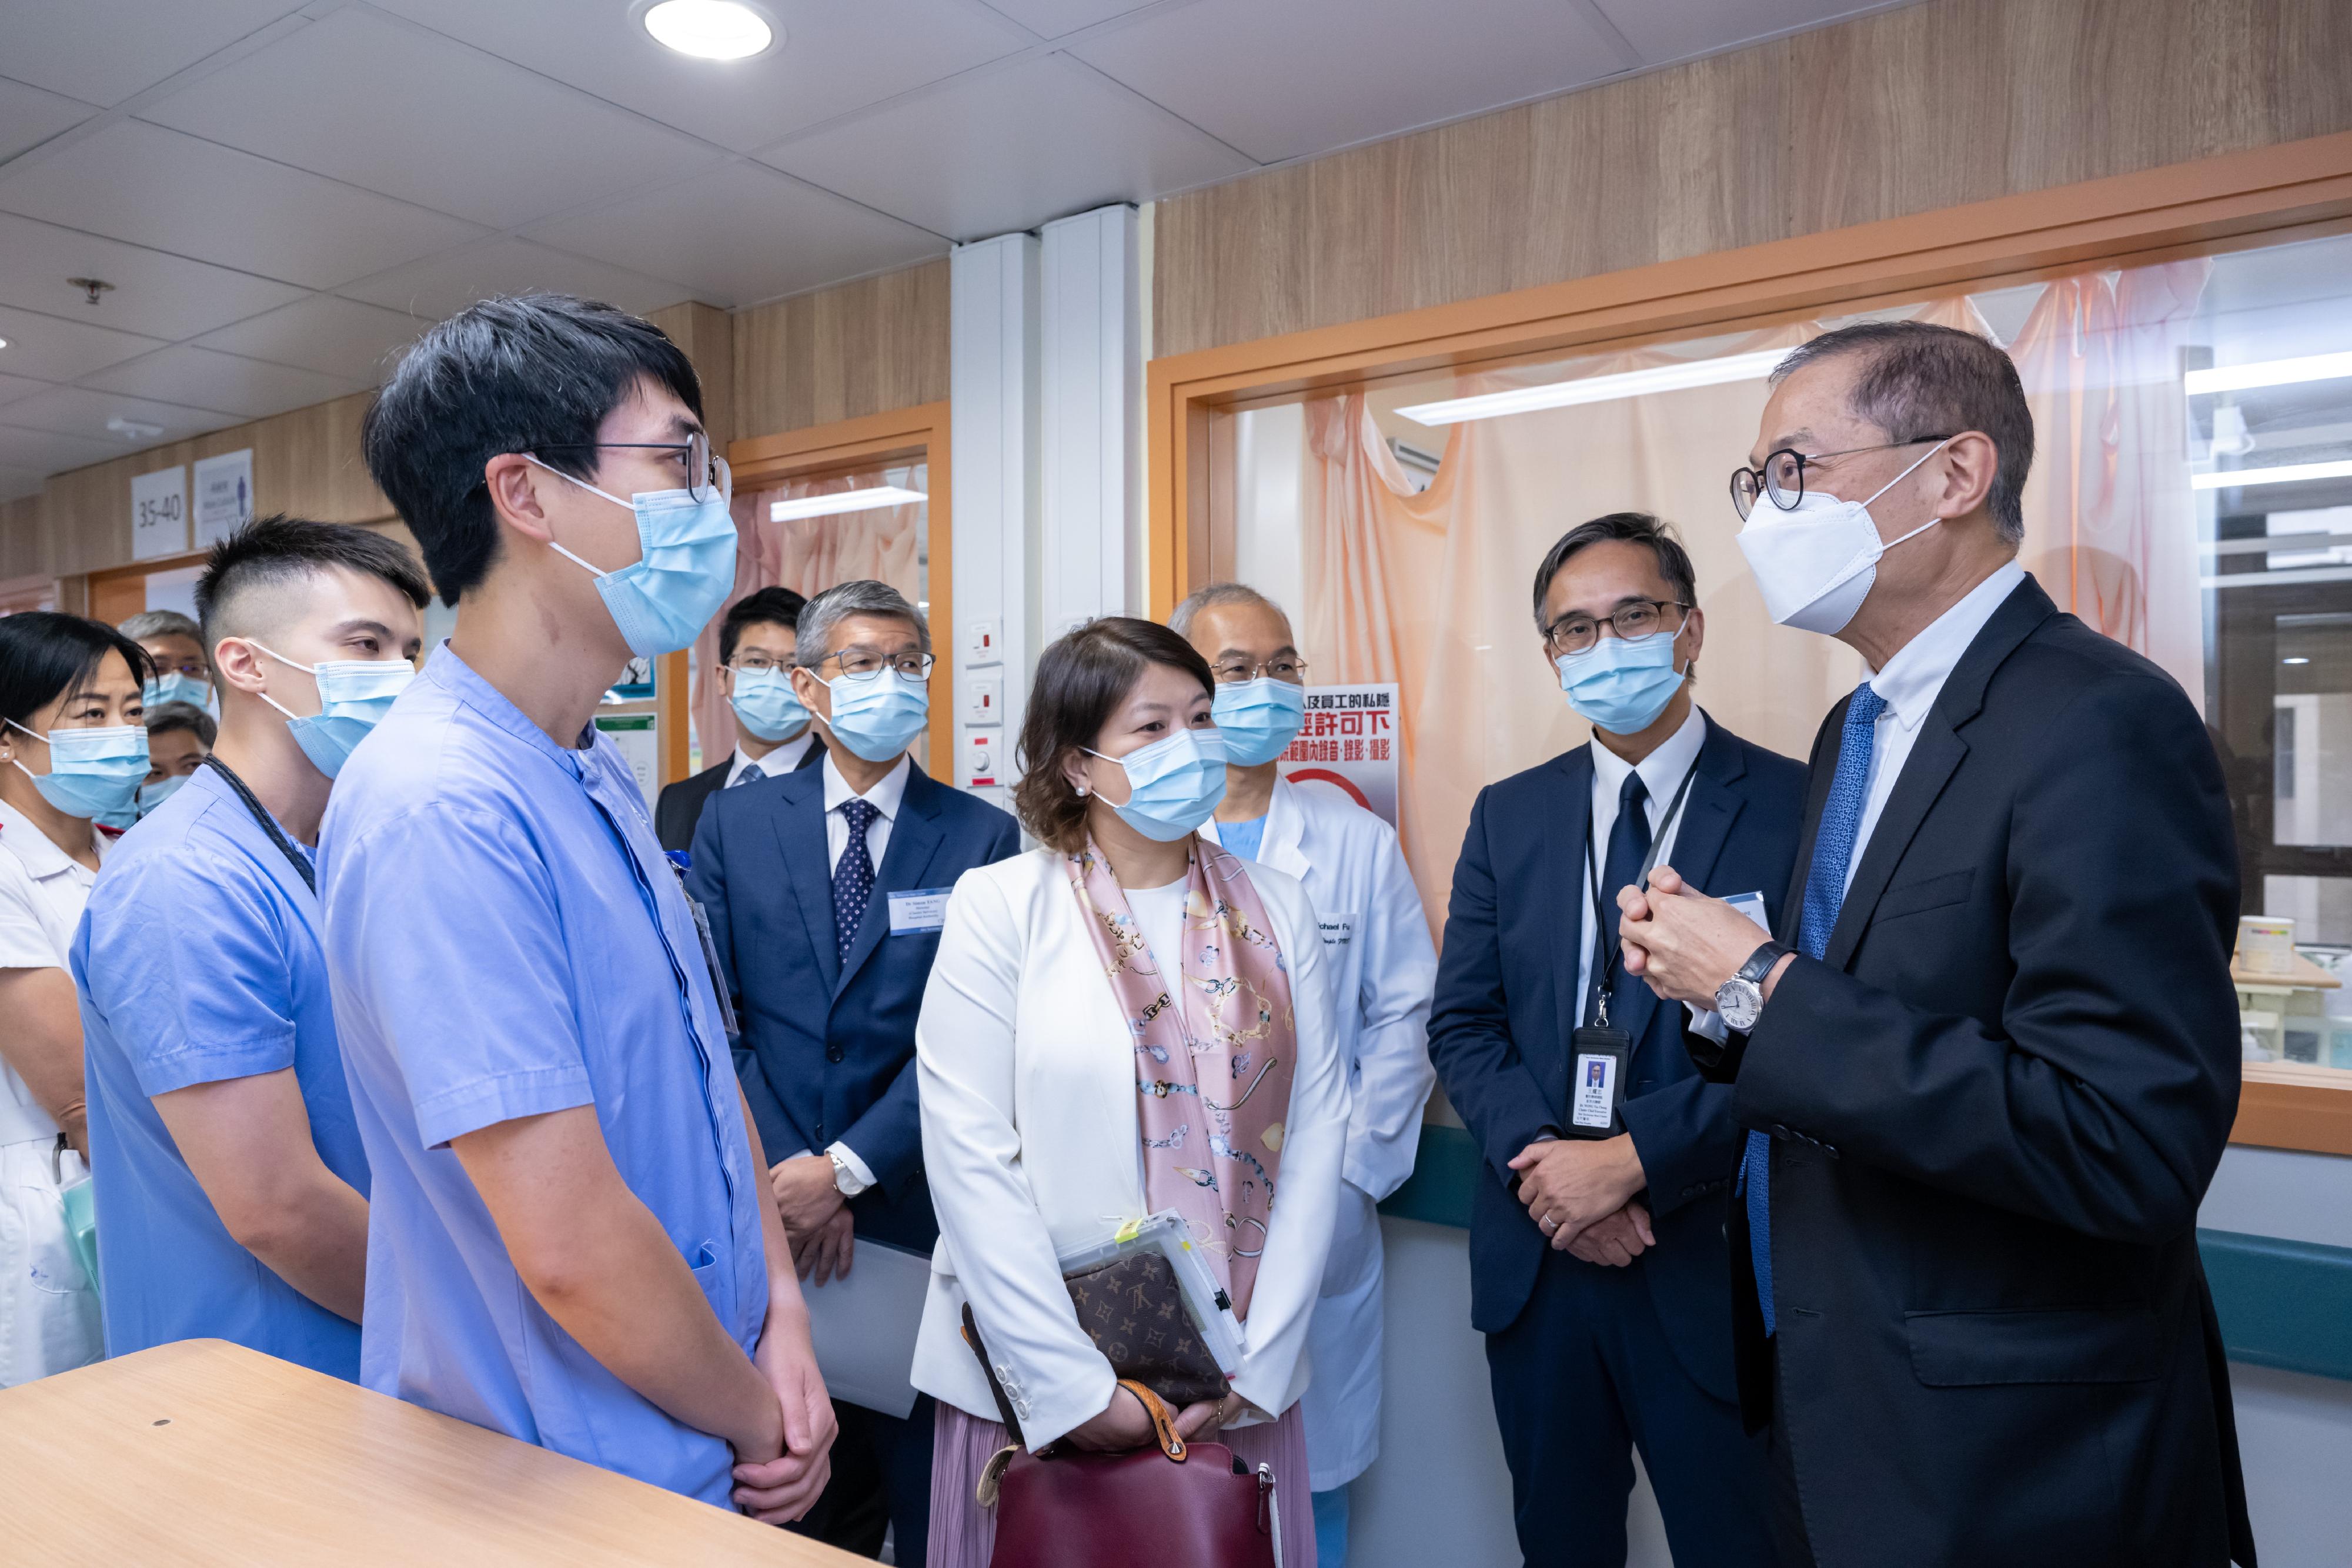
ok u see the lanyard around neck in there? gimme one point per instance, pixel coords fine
(1605, 956)
(269, 825)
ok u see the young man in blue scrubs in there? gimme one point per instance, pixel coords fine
(231, 1192)
(570, 1238)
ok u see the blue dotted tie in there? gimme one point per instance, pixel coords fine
(1824, 896)
(853, 879)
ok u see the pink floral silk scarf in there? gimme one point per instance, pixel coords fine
(1214, 1070)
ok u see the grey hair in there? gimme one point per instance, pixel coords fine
(150, 624)
(862, 596)
(1920, 382)
(1199, 599)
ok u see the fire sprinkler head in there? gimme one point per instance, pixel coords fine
(93, 287)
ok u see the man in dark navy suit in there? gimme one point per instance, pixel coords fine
(825, 890)
(1597, 1249)
(772, 732)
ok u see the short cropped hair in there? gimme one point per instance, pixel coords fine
(270, 552)
(1215, 593)
(537, 374)
(1633, 527)
(150, 624)
(45, 655)
(860, 596)
(1081, 680)
(767, 606)
(164, 719)
(1923, 381)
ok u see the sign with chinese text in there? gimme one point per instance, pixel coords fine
(1348, 746)
(224, 498)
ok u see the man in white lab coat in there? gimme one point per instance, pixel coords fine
(1383, 966)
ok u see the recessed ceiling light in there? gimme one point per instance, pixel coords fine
(710, 29)
(2295, 661)
(3, 343)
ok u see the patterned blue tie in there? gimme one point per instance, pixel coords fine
(751, 775)
(1833, 848)
(853, 879)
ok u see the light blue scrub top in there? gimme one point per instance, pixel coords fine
(1244, 839)
(506, 939)
(197, 959)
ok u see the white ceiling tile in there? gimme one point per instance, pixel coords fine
(1666, 30)
(338, 338)
(16, 483)
(1054, 18)
(57, 349)
(441, 285)
(14, 387)
(44, 453)
(1006, 150)
(161, 295)
(152, 187)
(102, 51)
(1290, 80)
(743, 234)
(29, 116)
(206, 378)
(397, 109)
(835, 57)
(82, 412)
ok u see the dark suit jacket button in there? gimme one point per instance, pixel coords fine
(1780, 1132)
(833, 1053)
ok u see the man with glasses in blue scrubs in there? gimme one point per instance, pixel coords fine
(572, 1240)
(232, 1191)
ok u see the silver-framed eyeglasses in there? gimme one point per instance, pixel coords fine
(757, 664)
(701, 472)
(1282, 667)
(1782, 477)
(1576, 633)
(865, 665)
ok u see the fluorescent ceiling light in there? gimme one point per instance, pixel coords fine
(2285, 474)
(2269, 373)
(844, 501)
(1599, 389)
(710, 29)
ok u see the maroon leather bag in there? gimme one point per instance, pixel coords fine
(1172, 1505)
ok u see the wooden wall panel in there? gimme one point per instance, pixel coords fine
(1906, 111)
(863, 348)
(708, 336)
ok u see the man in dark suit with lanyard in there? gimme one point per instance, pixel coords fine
(1989, 1067)
(1597, 1233)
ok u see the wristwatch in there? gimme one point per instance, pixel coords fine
(1740, 999)
(845, 1180)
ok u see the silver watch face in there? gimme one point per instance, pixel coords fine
(1741, 1003)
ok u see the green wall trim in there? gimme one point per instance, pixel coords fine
(2282, 1304)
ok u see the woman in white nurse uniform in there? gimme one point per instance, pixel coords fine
(72, 754)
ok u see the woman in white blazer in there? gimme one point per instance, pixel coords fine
(1041, 1083)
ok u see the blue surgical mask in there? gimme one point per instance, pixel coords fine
(764, 704)
(177, 687)
(1258, 718)
(685, 571)
(353, 697)
(93, 774)
(880, 718)
(1174, 784)
(156, 792)
(1622, 686)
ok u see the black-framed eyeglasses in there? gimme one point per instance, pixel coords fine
(1576, 633)
(1282, 667)
(701, 471)
(865, 665)
(1782, 477)
(757, 664)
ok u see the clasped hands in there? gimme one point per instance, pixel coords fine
(1682, 943)
(1581, 1194)
(1124, 1424)
(817, 1216)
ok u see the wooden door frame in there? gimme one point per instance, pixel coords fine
(762, 460)
(2276, 192)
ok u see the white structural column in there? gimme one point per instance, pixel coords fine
(1090, 418)
(993, 383)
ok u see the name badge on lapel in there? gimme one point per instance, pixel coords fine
(918, 912)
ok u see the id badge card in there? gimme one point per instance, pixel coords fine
(1596, 1084)
(920, 912)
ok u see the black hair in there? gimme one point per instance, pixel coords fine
(1633, 527)
(768, 606)
(269, 551)
(164, 719)
(1923, 381)
(537, 374)
(45, 655)
(1081, 680)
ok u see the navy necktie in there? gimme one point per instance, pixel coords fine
(853, 878)
(1629, 845)
(1833, 847)
(751, 775)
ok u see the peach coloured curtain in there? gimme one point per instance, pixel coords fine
(2110, 523)
(806, 555)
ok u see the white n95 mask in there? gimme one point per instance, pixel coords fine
(1814, 563)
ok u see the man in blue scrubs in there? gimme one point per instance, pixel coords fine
(232, 1194)
(570, 1238)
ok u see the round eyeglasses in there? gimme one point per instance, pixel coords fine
(1631, 620)
(1782, 477)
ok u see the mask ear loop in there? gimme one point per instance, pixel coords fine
(13, 759)
(558, 548)
(309, 670)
